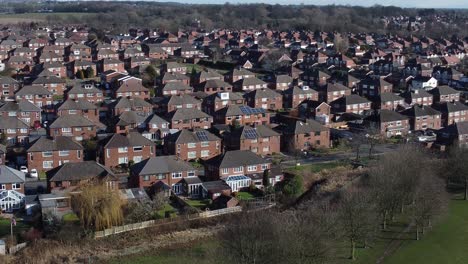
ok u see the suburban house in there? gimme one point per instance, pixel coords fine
(333, 91)
(131, 87)
(45, 154)
(217, 101)
(236, 163)
(15, 130)
(371, 87)
(190, 119)
(85, 91)
(11, 189)
(294, 96)
(319, 111)
(351, 104)
(264, 98)
(389, 101)
(192, 144)
(249, 84)
(445, 94)
(452, 112)
(213, 86)
(456, 134)
(172, 103)
(174, 88)
(38, 95)
(168, 170)
(423, 117)
(121, 149)
(303, 135)
(389, 123)
(70, 176)
(23, 110)
(242, 115)
(76, 126)
(261, 139)
(420, 97)
(81, 107)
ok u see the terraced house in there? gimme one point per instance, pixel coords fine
(121, 149)
(261, 139)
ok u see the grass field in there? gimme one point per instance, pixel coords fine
(447, 242)
(317, 167)
(199, 204)
(37, 17)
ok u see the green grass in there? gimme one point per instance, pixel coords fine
(70, 218)
(447, 242)
(162, 212)
(245, 196)
(199, 204)
(317, 167)
(17, 230)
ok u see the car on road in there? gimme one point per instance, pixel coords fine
(33, 173)
(24, 169)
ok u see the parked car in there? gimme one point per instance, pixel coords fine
(33, 173)
(24, 169)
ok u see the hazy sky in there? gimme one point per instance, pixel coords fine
(402, 3)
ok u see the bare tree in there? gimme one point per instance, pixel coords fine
(456, 169)
(358, 218)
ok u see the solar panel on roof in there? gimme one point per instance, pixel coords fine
(250, 133)
(202, 135)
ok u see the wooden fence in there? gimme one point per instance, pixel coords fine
(151, 223)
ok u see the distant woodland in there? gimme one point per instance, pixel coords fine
(119, 16)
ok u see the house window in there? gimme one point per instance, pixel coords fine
(47, 164)
(66, 129)
(137, 159)
(11, 131)
(123, 160)
(63, 153)
(72, 112)
(205, 144)
(225, 170)
(176, 175)
(3, 187)
(191, 145)
(160, 176)
(205, 153)
(264, 166)
(191, 174)
(252, 168)
(192, 154)
(137, 148)
(47, 154)
(123, 150)
(239, 169)
(146, 178)
(16, 186)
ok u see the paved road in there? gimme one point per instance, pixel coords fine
(378, 150)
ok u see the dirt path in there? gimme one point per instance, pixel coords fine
(395, 244)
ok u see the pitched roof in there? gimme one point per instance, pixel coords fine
(33, 89)
(191, 136)
(263, 93)
(132, 139)
(248, 132)
(443, 90)
(237, 158)
(71, 121)
(12, 122)
(162, 164)
(79, 104)
(185, 114)
(420, 110)
(77, 171)
(300, 127)
(10, 175)
(56, 144)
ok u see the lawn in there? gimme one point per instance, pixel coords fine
(447, 242)
(167, 208)
(199, 204)
(5, 227)
(245, 196)
(317, 167)
(70, 218)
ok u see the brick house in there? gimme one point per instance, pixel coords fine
(452, 112)
(423, 117)
(389, 123)
(24, 110)
(319, 111)
(78, 52)
(172, 103)
(110, 64)
(261, 139)
(237, 74)
(315, 77)
(371, 87)
(46, 154)
(236, 163)
(174, 67)
(294, 96)
(74, 66)
(76, 126)
(192, 144)
(15, 130)
(70, 176)
(54, 84)
(445, 94)
(85, 90)
(8, 87)
(249, 84)
(455, 134)
(121, 149)
(190, 119)
(242, 115)
(213, 86)
(11, 189)
(174, 88)
(218, 101)
(168, 170)
(125, 104)
(206, 75)
(81, 107)
(333, 91)
(303, 135)
(389, 101)
(264, 98)
(168, 77)
(132, 87)
(282, 82)
(351, 104)
(419, 97)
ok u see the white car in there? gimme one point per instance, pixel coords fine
(34, 173)
(24, 169)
